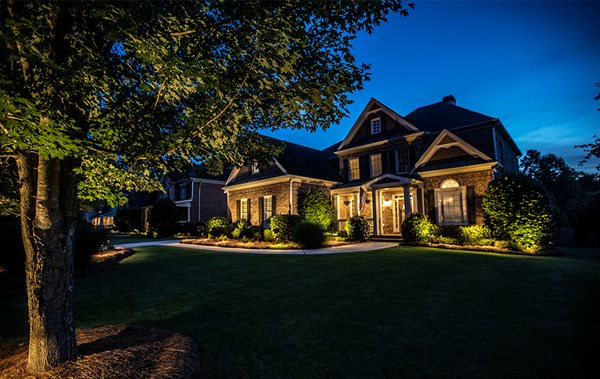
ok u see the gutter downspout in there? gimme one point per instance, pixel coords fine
(291, 196)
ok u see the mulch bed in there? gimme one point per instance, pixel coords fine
(254, 244)
(485, 249)
(116, 352)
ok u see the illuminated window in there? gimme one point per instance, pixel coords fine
(354, 168)
(244, 211)
(451, 203)
(267, 207)
(375, 165)
(376, 126)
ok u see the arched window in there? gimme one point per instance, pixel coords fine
(451, 203)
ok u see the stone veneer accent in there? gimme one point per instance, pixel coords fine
(281, 191)
(476, 183)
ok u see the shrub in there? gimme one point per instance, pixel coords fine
(516, 208)
(357, 228)
(282, 226)
(443, 239)
(450, 231)
(126, 220)
(163, 218)
(268, 235)
(216, 222)
(316, 207)
(342, 234)
(473, 234)
(417, 228)
(88, 241)
(309, 234)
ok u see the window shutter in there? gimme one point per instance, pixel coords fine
(274, 205)
(438, 206)
(261, 210)
(471, 199)
(384, 162)
(363, 163)
(463, 195)
(238, 207)
(249, 215)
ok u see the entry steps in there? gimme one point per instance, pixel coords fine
(386, 238)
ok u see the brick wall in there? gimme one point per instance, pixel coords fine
(476, 183)
(213, 201)
(281, 192)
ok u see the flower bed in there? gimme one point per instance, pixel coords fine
(255, 244)
(482, 248)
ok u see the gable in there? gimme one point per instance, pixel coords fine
(391, 124)
(448, 146)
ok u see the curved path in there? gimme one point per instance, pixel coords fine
(352, 248)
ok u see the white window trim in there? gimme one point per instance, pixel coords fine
(351, 177)
(243, 215)
(268, 198)
(439, 199)
(372, 124)
(371, 165)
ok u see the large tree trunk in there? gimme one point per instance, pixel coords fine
(49, 217)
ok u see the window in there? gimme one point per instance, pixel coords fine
(451, 203)
(183, 191)
(354, 168)
(244, 211)
(267, 207)
(403, 159)
(255, 169)
(375, 165)
(376, 126)
(183, 214)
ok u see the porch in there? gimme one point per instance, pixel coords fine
(386, 201)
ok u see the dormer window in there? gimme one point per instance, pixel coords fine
(376, 125)
(254, 168)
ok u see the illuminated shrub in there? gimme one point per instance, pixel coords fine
(357, 228)
(417, 228)
(268, 235)
(216, 226)
(242, 231)
(474, 235)
(516, 209)
(342, 234)
(283, 225)
(308, 234)
(316, 207)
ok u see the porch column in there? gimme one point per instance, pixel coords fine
(374, 201)
(423, 200)
(407, 208)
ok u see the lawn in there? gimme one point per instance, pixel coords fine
(118, 239)
(405, 311)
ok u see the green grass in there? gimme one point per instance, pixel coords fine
(400, 312)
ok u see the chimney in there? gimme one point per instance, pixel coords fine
(449, 99)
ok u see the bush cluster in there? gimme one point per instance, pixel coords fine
(357, 228)
(282, 227)
(309, 234)
(316, 207)
(216, 227)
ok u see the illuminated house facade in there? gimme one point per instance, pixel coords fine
(437, 160)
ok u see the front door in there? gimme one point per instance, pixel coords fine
(397, 210)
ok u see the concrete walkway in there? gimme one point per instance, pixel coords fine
(353, 248)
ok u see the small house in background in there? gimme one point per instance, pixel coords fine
(198, 195)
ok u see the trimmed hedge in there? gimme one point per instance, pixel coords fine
(417, 228)
(282, 227)
(357, 228)
(309, 234)
(316, 207)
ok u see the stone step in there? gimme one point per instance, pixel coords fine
(386, 238)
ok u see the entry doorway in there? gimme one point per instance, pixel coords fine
(397, 212)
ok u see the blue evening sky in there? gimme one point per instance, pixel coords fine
(533, 64)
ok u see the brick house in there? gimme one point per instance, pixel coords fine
(436, 160)
(198, 195)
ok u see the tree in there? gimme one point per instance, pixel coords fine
(592, 149)
(97, 97)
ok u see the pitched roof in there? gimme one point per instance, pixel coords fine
(200, 172)
(444, 115)
(296, 160)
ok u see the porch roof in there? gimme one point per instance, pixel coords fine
(383, 181)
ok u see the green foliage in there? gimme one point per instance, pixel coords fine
(357, 228)
(282, 226)
(516, 209)
(127, 220)
(88, 241)
(342, 234)
(417, 228)
(218, 232)
(9, 188)
(316, 207)
(474, 234)
(309, 234)
(268, 235)
(216, 226)
(163, 218)
(242, 231)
